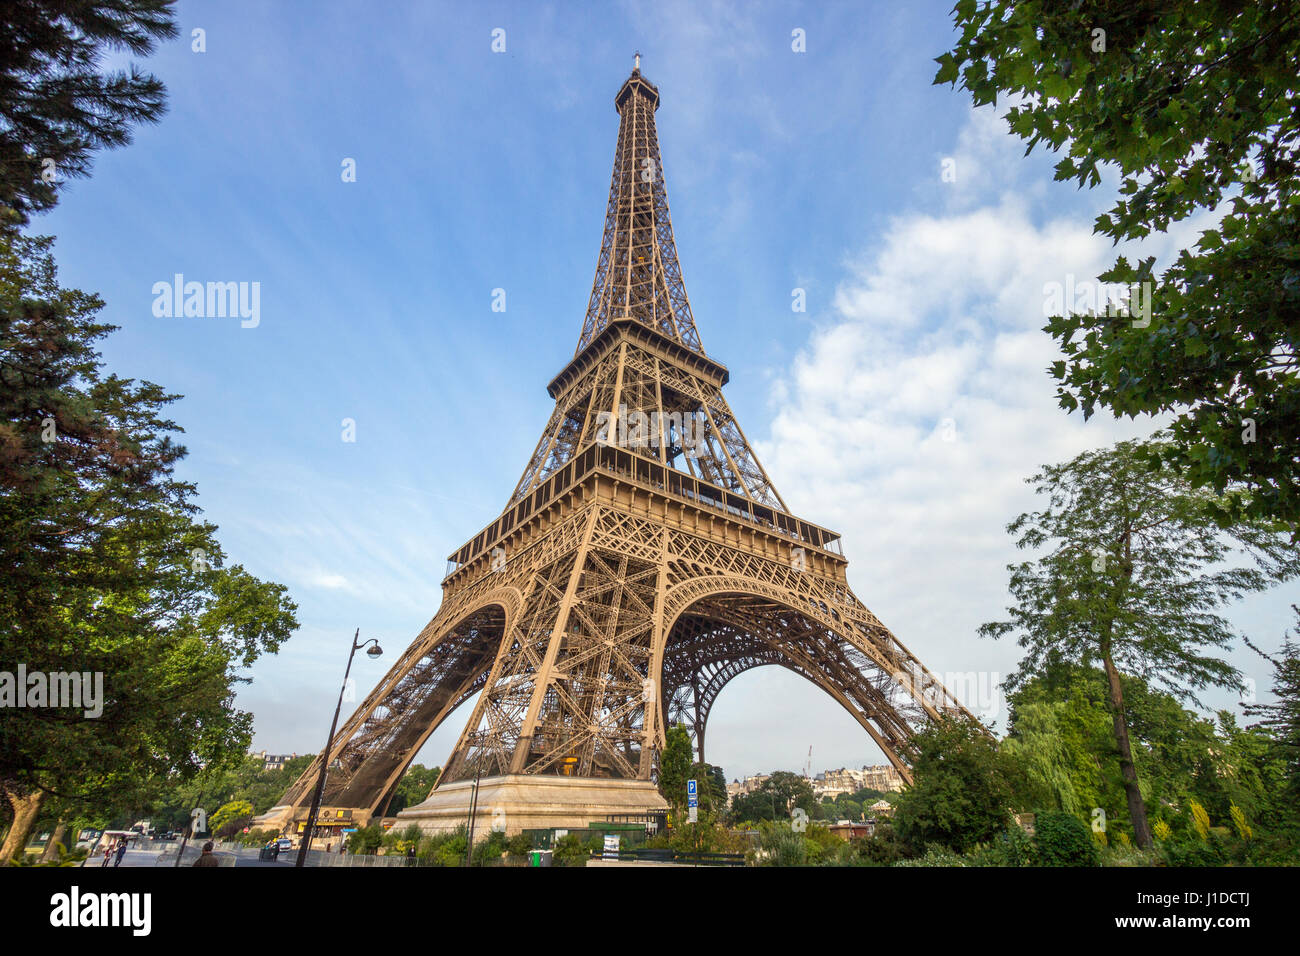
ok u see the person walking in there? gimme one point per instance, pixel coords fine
(121, 852)
(108, 853)
(207, 858)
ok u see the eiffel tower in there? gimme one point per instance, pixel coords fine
(644, 560)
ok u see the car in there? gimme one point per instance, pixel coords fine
(285, 844)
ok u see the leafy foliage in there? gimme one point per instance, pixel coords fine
(1062, 839)
(1133, 574)
(675, 767)
(776, 798)
(962, 791)
(104, 567)
(1195, 105)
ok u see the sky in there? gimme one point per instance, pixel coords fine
(904, 408)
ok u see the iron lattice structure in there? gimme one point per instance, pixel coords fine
(643, 561)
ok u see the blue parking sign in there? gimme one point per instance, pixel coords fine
(690, 788)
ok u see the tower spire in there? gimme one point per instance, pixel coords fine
(637, 272)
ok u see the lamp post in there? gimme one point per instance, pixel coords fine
(325, 757)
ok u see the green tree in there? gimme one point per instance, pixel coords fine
(237, 813)
(711, 787)
(104, 568)
(414, 787)
(1281, 721)
(56, 103)
(675, 768)
(1194, 104)
(963, 788)
(1133, 574)
(776, 799)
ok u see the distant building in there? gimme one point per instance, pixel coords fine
(832, 783)
(274, 761)
(847, 830)
(884, 778)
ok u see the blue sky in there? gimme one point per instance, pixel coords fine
(478, 170)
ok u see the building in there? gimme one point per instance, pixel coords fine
(884, 778)
(274, 761)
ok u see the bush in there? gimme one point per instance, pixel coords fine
(570, 851)
(1062, 839)
(1012, 847)
(444, 849)
(782, 846)
(519, 845)
(488, 852)
(1192, 852)
(935, 855)
(366, 840)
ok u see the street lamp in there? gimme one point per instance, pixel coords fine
(372, 653)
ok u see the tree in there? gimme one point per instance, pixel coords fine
(711, 787)
(1125, 583)
(776, 799)
(962, 790)
(675, 767)
(1195, 105)
(414, 787)
(1281, 720)
(105, 569)
(56, 105)
(230, 817)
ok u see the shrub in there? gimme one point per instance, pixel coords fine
(1012, 847)
(1192, 852)
(366, 840)
(1062, 839)
(488, 853)
(519, 845)
(569, 851)
(783, 846)
(935, 855)
(444, 849)
(1200, 820)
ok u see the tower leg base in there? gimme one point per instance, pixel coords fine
(518, 802)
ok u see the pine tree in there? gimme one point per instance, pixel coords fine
(56, 105)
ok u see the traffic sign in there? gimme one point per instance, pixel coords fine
(690, 788)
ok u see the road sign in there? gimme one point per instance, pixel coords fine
(692, 814)
(690, 788)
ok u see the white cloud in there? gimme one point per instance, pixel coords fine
(940, 318)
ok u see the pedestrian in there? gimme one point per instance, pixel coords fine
(410, 855)
(275, 850)
(121, 852)
(207, 858)
(108, 853)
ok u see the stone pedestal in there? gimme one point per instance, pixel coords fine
(526, 802)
